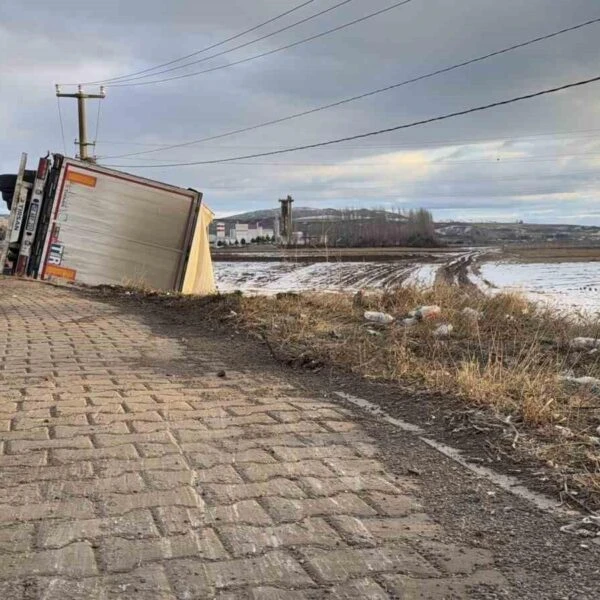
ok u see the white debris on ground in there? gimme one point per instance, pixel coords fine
(443, 330)
(585, 343)
(471, 314)
(379, 317)
(590, 381)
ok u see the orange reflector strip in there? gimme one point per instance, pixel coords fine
(81, 178)
(62, 272)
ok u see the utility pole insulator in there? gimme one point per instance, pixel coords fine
(81, 98)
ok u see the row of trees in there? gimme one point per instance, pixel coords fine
(266, 239)
(357, 228)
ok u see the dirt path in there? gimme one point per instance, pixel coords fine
(148, 457)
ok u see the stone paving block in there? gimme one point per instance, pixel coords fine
(360, 589)
(272, 593)
(247, 539)
(175, 520)
(128, 483)
(125, 452)
(332, 566)
(39, 433)
(75, 560)
(393, 505)
(113, 468)
(119, 555)
(16, 475)
(248, 512)
(21, 446)
(219, 474)
(21, 423)
(107, 418)
(356, 483)
(349, 467)
(167, 480)
(16, 538)
(146, 583)
(67, 431)
(229, 493)
(262, 472)
(109, 440)
(150, 426)
(285, 453)
(24, 493)
(191, 579)
(205, 460)
(115, 504)
(365, 530)
(134, 524)
(79, 509)
(287, 510)
(241, 411)
(229, 421)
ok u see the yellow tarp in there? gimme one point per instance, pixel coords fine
(199, 276)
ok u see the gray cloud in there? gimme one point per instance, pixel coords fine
(543, 178)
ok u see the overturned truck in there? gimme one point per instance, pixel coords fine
(78, 222)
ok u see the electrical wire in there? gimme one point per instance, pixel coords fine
(238, 47)
(433, 163)
(269, 52)
(370, 93)
(62, 127)
(438, 118)
(206, 49)
(447, 142)
(97, 121)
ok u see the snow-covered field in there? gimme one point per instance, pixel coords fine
(271, 278)
(566, 285)
(575, 286)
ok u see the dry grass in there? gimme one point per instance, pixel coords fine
(509, 361)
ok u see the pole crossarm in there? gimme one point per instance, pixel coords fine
(81, 97)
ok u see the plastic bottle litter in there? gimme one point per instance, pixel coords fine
(443, 330)
(379, 317)
(409, 322)
(426, 312)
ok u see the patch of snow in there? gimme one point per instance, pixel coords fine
(573, 286)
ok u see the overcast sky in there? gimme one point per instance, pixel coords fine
(479, 166)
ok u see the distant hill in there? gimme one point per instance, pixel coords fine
(306, 214)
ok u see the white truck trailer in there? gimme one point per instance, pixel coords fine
(83, 223)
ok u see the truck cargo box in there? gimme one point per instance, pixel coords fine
(95, 225)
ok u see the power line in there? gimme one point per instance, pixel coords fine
(370, 93)
(62, 127)
(238, 47)
(446, 142)
(432, 163)
(269, 52)
(97, 122)
(211, 47)
(451, 115)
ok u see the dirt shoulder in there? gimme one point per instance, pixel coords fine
(540, 560)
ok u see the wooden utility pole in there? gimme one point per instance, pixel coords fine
(81, 98)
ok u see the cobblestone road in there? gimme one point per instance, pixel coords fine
(119, 479)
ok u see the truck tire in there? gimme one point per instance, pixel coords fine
(7, 185)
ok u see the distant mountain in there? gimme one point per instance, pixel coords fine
(306, 214)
